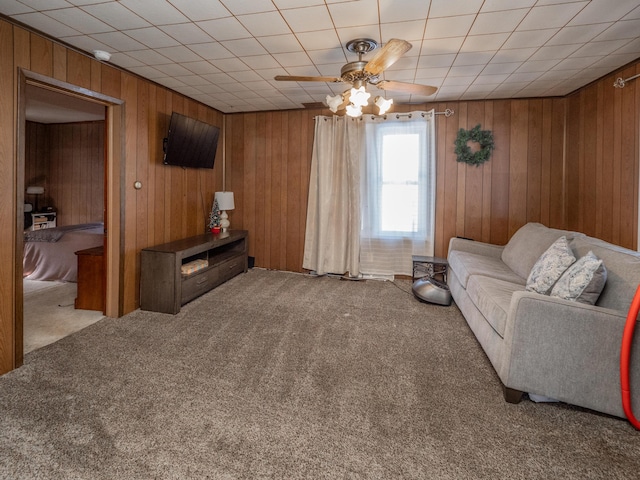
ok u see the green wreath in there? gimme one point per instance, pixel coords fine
(483, 137)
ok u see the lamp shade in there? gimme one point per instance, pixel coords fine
(34, 190)
(225, 200)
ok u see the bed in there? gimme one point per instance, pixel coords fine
(49, 254)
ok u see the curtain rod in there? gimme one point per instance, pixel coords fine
(447, 113)
(620, 82)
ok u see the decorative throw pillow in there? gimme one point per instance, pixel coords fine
(583, 281)
(550, 266)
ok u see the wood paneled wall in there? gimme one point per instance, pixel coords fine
(173, 202)
(602, 159)
(68, 160)
(270, 157)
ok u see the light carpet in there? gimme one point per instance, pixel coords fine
(285, 376)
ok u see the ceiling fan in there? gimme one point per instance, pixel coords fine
(361, 73)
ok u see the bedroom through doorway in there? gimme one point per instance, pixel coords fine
(64, 185)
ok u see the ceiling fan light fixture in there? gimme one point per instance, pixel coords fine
(383, 104)
(334, 102)
(359, 97)
(354, 111)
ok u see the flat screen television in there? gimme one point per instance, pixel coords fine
(190, 142)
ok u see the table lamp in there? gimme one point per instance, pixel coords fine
(35, 190)
(225, 202)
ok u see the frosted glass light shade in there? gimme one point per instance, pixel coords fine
(34, 190)
(225, 200)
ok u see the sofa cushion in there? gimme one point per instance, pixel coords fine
(466, 264)
(528, 243)
(583, 281)
(492, 297)
(550, 266)
(623, 271)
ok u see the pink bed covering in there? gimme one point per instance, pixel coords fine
(57, 260)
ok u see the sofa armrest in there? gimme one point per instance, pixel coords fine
(471, 246)
(566, 350)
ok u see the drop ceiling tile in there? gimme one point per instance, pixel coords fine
(211, 50)
(530, 38)
(410, 10)
(622, 29)
(80, 20)
(513, 55)
(46, 24)
(490, 79)
(631, 47)
(365, 31)
(201, 67)
(501, 68)
(147, 72)
(612, 62)
(230, 64)
(304, 71)
(244, 47)
(86, 43)
(292, 59)
(152, 37)
(284, 4)
(169, 82)
(308, 19)
(156, 13)
(449, 26)
(432, 72)
(13, 7)
(576, 63)
(210, 88)
(199, 10)
(551, 15)
(149, 57)
(598, 11)
(186, 33)
(116, 15)
(578, 34)
(253, 6)
(496, 5)
(173, 70)
(280, 43)
(219, 78)
(261, 86)
(412, 30)
(438, 46)
(465, 71)
(263, 24)
(118, 41)
(474, 58)
(354, 14)
(452, 89)
(125, 61)
(43, 5)
(426, 61)
(498, 22)
(256, 62)
(245, 76)
(599, 48)
(523, 77)
(179, 54)
(447, 8)
(537, 65)
(330, 56)
(481, 43)
(321, 40)
(554, 52)
(227, 28)
(633, 14)
(330, 69)
(268, 74)
(466, 81)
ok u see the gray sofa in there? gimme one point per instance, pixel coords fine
(543, 345)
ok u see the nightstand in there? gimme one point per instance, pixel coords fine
(42, 220)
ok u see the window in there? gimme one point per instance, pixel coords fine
(397, 193)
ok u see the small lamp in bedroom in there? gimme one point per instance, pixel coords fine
(35, 190)
(225, 202)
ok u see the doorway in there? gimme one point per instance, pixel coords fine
(76, 101)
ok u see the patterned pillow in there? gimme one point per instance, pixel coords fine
(550, 266)
(583, 281)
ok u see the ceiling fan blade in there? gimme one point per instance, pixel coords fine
(287, 78)
(387, 56)
(413, 88)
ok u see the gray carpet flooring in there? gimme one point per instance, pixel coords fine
(280, 375)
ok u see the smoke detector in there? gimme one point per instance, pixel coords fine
(102, 55)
